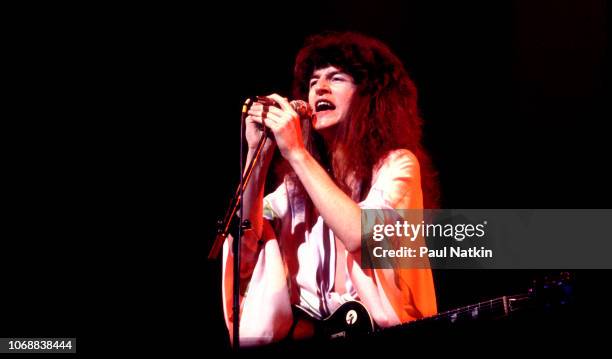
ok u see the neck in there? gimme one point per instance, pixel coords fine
(328, 134)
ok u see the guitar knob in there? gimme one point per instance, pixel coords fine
(351, 317)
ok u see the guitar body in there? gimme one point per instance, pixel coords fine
(351, 319)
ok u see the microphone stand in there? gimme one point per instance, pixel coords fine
(224, 226)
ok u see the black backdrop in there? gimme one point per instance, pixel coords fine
(123, 151)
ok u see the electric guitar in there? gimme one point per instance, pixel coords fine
(352, 319)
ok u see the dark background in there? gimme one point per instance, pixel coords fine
(122, 145)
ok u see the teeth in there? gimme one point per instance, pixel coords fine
(324, 105)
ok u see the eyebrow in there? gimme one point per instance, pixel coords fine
(330, 74)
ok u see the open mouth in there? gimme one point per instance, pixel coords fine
(324, 105)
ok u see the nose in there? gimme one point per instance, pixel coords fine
(321, 87)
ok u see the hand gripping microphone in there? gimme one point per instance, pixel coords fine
(302, 108)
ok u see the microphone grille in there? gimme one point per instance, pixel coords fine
(302, 108)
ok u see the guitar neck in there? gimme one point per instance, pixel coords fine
(489, 309)
(498, 307)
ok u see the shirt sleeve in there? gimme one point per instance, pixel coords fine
(265, 314)
(397, 295)
(275, 204)
(396, 183)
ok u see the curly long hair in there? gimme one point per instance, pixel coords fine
(383, 114)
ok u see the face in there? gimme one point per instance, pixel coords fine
(330, 95)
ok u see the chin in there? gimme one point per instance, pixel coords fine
(321, 126)
(325, 123)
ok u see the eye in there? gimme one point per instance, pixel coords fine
(312, 83)
(337, 78)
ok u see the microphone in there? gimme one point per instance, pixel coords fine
(302, 108)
